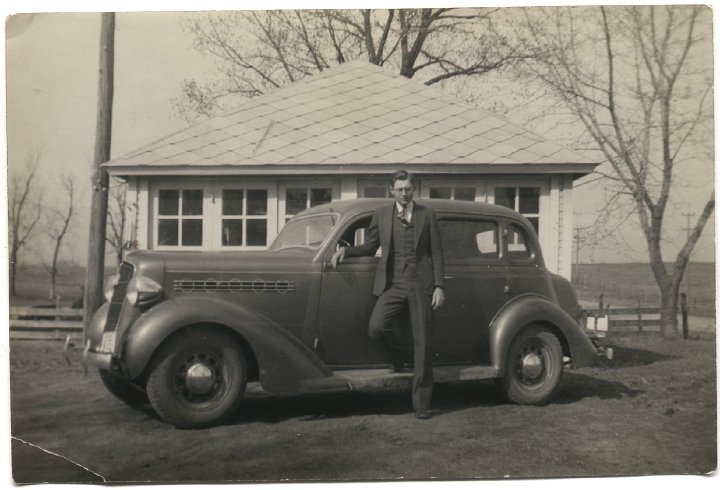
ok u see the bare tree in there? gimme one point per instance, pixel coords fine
(117, 218)
(24, 212)
(639, 79)
(57, 227)
(259, 51)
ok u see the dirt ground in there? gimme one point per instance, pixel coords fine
(650, 411)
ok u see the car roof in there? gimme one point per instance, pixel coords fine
(359, 206)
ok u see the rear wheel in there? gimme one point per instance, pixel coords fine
(533, 366)
(123, 390)
(197, 379)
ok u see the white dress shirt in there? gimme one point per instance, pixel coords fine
(408, 210)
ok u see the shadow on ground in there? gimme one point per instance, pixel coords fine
(447, 398)
(624, 357)
(576, 386)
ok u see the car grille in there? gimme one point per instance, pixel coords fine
(118, 297)
(233, 285)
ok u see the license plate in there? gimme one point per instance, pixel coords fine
(108, 342)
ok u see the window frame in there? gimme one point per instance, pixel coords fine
(308, 185)
(212, 213)
(245, 187)
(156, 217)
(453, 188)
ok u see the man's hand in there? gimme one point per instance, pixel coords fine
(337, 257)
(438, 298)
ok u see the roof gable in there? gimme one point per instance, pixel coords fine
(355, 113)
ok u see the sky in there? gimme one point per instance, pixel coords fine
(52, 71)
(51, 76)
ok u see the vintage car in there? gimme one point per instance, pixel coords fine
(189, 330)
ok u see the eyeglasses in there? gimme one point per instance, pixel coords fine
(403, 190)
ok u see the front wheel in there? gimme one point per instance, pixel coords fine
(533, 366)
(197, 379)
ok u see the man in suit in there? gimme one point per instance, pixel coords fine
(408, 280)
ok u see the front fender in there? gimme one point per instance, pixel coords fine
(524, 310)
(285, 363)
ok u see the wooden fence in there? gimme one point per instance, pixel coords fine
(638, 319)
(46, 323)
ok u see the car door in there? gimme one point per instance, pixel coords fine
(346, 302)
(475, 282)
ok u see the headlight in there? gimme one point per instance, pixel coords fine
(110, 287)
(142, 290)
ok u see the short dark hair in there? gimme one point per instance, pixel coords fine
(402, 175)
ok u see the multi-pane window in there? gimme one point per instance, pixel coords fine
(459, 193)
(379, 190)
(244, 217)
(524, 200)
(180, 217)
(212, 217)
(298, 199)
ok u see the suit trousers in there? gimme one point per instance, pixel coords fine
(403, 297)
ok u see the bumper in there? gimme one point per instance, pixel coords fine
(98, 360)
(596, 328)
(599, 345)
(86, 357)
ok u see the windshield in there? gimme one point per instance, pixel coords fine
(307, 232)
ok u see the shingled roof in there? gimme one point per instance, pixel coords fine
(354, 114)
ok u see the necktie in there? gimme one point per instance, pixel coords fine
(401, 214)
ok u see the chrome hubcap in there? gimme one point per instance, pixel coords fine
(532, 366)
(199, 379)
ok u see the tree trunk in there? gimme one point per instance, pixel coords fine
(13, 272)
(669, 310)
(53, 290)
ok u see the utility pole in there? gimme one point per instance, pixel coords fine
(103, 137)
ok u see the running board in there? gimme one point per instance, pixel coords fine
(359, 379)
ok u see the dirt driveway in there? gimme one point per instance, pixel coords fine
(652, 410)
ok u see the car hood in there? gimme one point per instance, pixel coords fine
(285, 260)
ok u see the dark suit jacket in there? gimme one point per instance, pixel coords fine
(430, 267)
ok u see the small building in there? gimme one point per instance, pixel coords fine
(232, 181)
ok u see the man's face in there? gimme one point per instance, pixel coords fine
(402, 191)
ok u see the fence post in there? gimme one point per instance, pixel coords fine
(684, 309)
(639, 315)
(600, 306)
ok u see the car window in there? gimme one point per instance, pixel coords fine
(517, 243)
(356, 233)
(308, 232)
(467, 238)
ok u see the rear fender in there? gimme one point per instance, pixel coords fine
(283, 361)
(527, 309)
